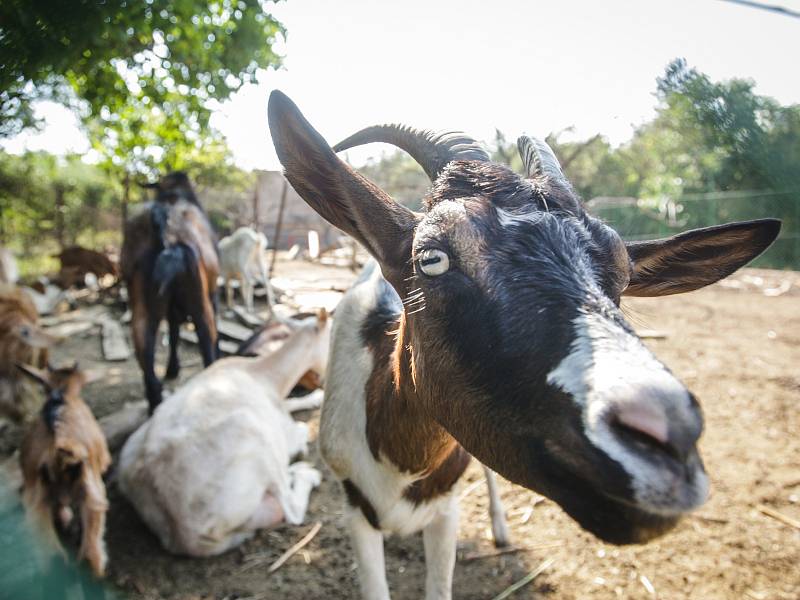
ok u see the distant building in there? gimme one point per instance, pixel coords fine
(230, 210)
(298, 217)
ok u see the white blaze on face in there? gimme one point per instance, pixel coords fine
(609, 372)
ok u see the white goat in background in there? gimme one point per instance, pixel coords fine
(212, 465)
(243, 256)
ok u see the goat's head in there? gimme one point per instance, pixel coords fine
(18, 328)
(512, 327)
(173, 187)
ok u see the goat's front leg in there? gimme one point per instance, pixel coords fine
(247, 293)
(303, 478)
(93, 522)
(440, 537)
(229, 293)
(93, 547)
(368, 546)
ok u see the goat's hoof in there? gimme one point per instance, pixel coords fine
(172, 372)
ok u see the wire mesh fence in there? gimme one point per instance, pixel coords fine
(640, 219)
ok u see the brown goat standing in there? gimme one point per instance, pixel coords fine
(63, 458)
(170, 265)
(21, 342)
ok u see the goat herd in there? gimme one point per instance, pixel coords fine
(487, 326)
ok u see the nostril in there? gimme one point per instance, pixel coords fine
(645, 419)
(643, 426)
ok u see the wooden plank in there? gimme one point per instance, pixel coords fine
(70, 328)
(225, 346)
(232, 330)
(114, 343)
(247, 319)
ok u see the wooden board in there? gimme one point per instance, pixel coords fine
(247, 319)
(232, 330)
(225, 346)
(114, 343)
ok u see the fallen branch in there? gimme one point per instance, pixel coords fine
(708, 519)
(525, 580)
(294, 549)
(470, 488)
(786, 520)
(511, 550)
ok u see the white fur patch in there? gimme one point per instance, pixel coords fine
(507, 219)
(608, 366)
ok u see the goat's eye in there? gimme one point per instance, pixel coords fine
(24, 332)
(434, 262)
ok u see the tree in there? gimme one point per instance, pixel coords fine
(104, 51)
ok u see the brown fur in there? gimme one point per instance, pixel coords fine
(21, 342)
(62, 470)
(76, 262)
(395, 416)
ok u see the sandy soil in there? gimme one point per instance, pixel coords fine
(737, 349)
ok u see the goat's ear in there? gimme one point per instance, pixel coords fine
(339, 194)
(696, 258)
(38, 375)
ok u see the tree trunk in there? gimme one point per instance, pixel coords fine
(278, 226)
(60, 216)
(126, 191)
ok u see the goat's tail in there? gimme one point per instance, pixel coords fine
(173, 259)
(171, 262)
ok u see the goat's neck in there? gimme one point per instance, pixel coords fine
(283, 368)
(398, 426)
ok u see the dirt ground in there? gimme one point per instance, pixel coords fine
(736, 348)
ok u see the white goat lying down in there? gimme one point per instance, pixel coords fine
(242, 256)
(212, 465)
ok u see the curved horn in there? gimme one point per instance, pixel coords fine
(433, 151)
(538, 158)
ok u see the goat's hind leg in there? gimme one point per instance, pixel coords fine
(496, 510)
(174, 365)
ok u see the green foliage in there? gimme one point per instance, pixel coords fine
(158, 50)
(679, 170)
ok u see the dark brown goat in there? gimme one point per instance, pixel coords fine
(170, 265)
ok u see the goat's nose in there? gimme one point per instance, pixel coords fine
(654, 425)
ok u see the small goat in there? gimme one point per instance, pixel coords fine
(63, 458)
(212, 465)
(243, 257)
(170, 265)
(491, 326)
(21, 342)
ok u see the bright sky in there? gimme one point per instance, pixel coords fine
(529, 66)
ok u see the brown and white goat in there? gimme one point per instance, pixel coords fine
(21, 342)
(490, 325)
(213, 463)
(170, 265)
(243, 257)
(63, 458)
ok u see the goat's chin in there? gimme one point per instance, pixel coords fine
(617, 522)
